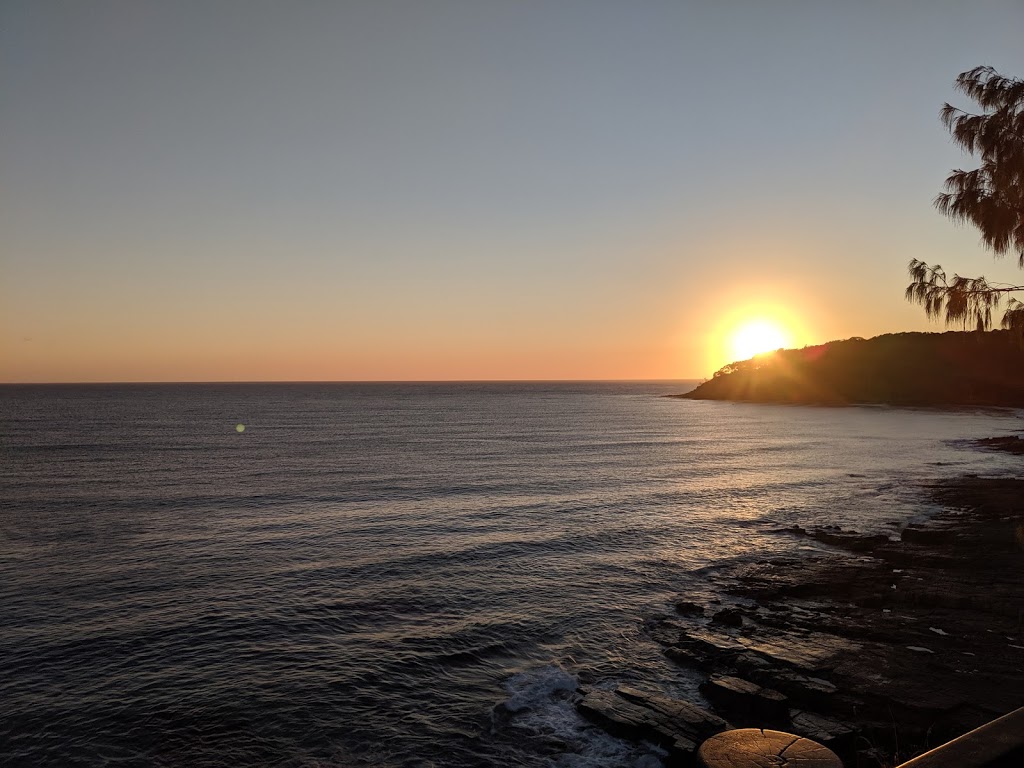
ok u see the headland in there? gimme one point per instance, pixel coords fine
(956, 368)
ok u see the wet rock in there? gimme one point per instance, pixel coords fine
(1009, 444)
(674, 724)
(666, 632)
(818, 652)
(712, 643)
(686, 608)
(745, 702)
(850, 540)
(797, 530)
(689, 656)
(729, 617)
(815, 578)
(698, 648)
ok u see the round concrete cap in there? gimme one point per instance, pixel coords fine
(759, 748)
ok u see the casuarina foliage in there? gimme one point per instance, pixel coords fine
(991, 197)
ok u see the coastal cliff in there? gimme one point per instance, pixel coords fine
(922, 369)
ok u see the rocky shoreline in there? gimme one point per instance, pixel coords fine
(879, 648)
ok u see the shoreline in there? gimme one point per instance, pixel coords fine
(878, 648)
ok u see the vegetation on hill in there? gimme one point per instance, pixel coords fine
(928, 369)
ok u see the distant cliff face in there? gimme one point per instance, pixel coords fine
(954, 368)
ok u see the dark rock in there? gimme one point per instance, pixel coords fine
(915, 534)
(677, 725)
(815, 653)
(851, 540)
(797, 530)
(666, 632)
(815, 578)
(688, 655)
(836, 633)
(700, 649)
(729, 617)
(751, 664)
(746, 703)
(803, 690)
(712, 643)
(686, 608)
(832, 733)
(925, 692)
(876, 600)
(1010, 444)
(767, 617)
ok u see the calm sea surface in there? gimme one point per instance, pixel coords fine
(394, 575)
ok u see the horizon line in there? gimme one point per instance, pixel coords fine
(348, 381)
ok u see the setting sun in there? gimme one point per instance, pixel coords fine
(757, 336)
(745, 330)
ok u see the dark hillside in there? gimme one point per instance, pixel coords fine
(953, 368)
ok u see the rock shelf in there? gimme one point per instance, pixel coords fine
(880, 649)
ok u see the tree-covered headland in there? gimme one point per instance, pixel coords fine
(917, 369)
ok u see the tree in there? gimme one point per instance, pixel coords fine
(991, 197)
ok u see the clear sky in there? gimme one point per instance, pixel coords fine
(469, 189)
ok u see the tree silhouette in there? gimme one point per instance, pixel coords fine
(991, 197)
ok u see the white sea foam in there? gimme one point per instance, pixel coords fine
(541, 705)
(537, 687)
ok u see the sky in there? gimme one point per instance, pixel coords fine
(246, 190)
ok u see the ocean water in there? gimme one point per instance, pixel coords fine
(396, 574)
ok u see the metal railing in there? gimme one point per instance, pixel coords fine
(999, 744)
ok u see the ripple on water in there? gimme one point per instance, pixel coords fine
(392, 575)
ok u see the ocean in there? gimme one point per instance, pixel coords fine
(397, 574)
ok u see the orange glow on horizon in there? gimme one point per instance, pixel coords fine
(753, 330)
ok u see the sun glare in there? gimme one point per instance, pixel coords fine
(755, 337)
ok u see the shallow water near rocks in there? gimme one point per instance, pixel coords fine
(396, 574)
